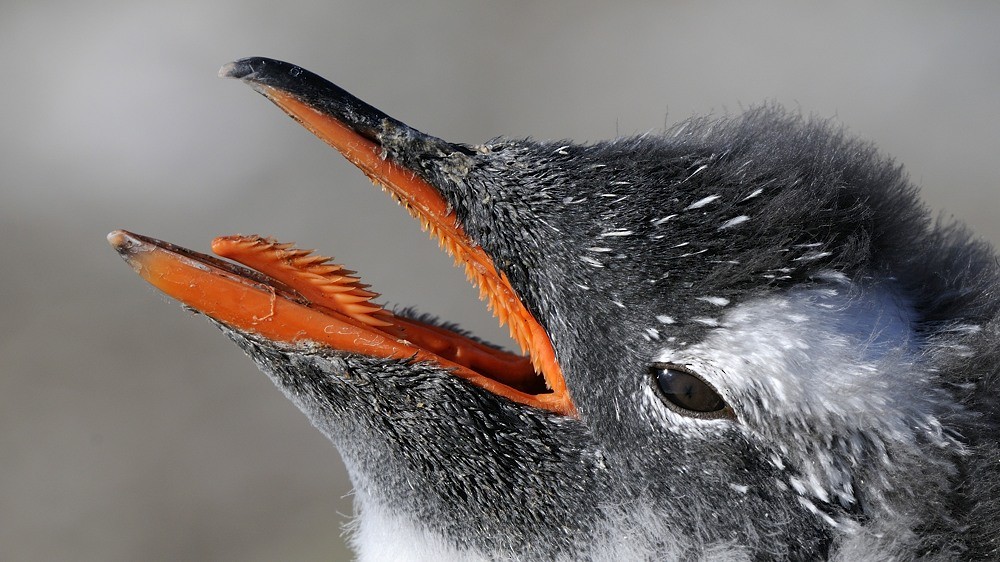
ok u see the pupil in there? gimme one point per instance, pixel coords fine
(689, 391)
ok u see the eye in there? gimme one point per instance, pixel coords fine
(685, 393)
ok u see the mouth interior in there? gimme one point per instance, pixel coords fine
(317, 282)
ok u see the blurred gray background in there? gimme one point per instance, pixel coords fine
(130, 430)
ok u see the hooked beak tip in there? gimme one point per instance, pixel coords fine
(123, 242)
(239, 69)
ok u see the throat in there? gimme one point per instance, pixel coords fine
(382, 533)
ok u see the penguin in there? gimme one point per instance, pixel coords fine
(743, 339)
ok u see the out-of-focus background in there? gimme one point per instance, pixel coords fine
(130, 430)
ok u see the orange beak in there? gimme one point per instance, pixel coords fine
(295, 298)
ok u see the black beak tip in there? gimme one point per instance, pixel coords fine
(264, 75)
(237, 69)
(250, 68)
(260, 70)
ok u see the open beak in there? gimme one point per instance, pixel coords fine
(293, 297)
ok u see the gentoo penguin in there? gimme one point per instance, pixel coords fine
(745, 340)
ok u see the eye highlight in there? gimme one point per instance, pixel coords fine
(687, 394)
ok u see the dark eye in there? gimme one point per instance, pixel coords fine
(687, 394)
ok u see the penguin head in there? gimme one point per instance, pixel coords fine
(744, 336)
(741, 310)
